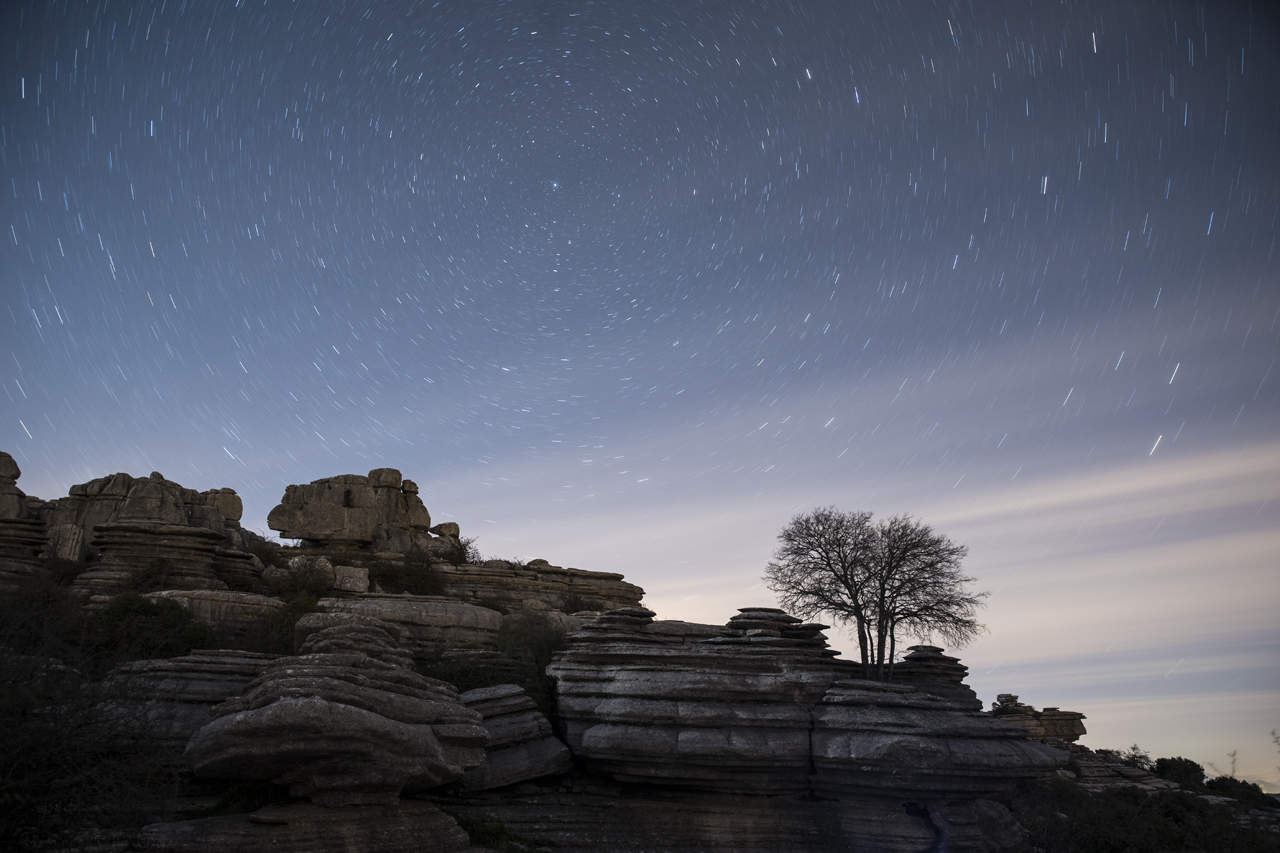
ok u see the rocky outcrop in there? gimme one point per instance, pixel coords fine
(759, 706)
(521, 745)
(378, 512)
(346, 722)
(149, 500)
(1050, 724)
(511, 586)
(430, 624)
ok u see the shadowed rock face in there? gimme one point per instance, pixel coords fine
(175, 696)
(521, 745)
(379, 512)
(345, 722)
(405, 827)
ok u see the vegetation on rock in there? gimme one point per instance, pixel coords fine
(880, 578)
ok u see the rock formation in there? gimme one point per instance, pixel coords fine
(378, 512)
(521, 745)
(347, 725)
(758, 706)
(345, 722)
(141, 500)
(22, 538)
(933, 672)
(1050, 724)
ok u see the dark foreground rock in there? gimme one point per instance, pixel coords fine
(403, 827)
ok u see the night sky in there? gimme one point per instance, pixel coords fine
(626, 285)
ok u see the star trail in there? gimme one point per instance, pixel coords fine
(626, 285)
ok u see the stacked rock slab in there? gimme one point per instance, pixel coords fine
(159, 556)
(758, 706)
(345, 722)
(1050, 724)
(694, 706)
(927, 668)
(521, 745)
(509, 586)
(378, 512)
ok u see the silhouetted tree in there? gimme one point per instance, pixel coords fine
(879, 578)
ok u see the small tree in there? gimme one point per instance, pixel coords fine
(879, 578)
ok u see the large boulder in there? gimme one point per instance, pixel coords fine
(345, 722)
(379, 512)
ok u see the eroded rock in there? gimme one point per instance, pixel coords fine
(343, 723)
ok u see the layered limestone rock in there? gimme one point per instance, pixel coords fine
(143, 555)
(378, 512)
(345, 722)
(881, 738)
(22, 539)
(694, 705)
(933, 672)
(148, 500)
(521, 745)
(1051, 724)
(430, 624)
(174, 697)
(759, 706)
(509, 586)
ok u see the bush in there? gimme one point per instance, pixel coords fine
(1246, 792)
(466, 552)
(67, 770)
(131, 627)
(532, 638)
(1061, 817)
(414, 575)
(1183, 771)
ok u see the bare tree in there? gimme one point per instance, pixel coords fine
(879, 578)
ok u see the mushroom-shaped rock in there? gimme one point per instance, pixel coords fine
(345, 722)
(376, 512)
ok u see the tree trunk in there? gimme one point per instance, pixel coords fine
(893, 651)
